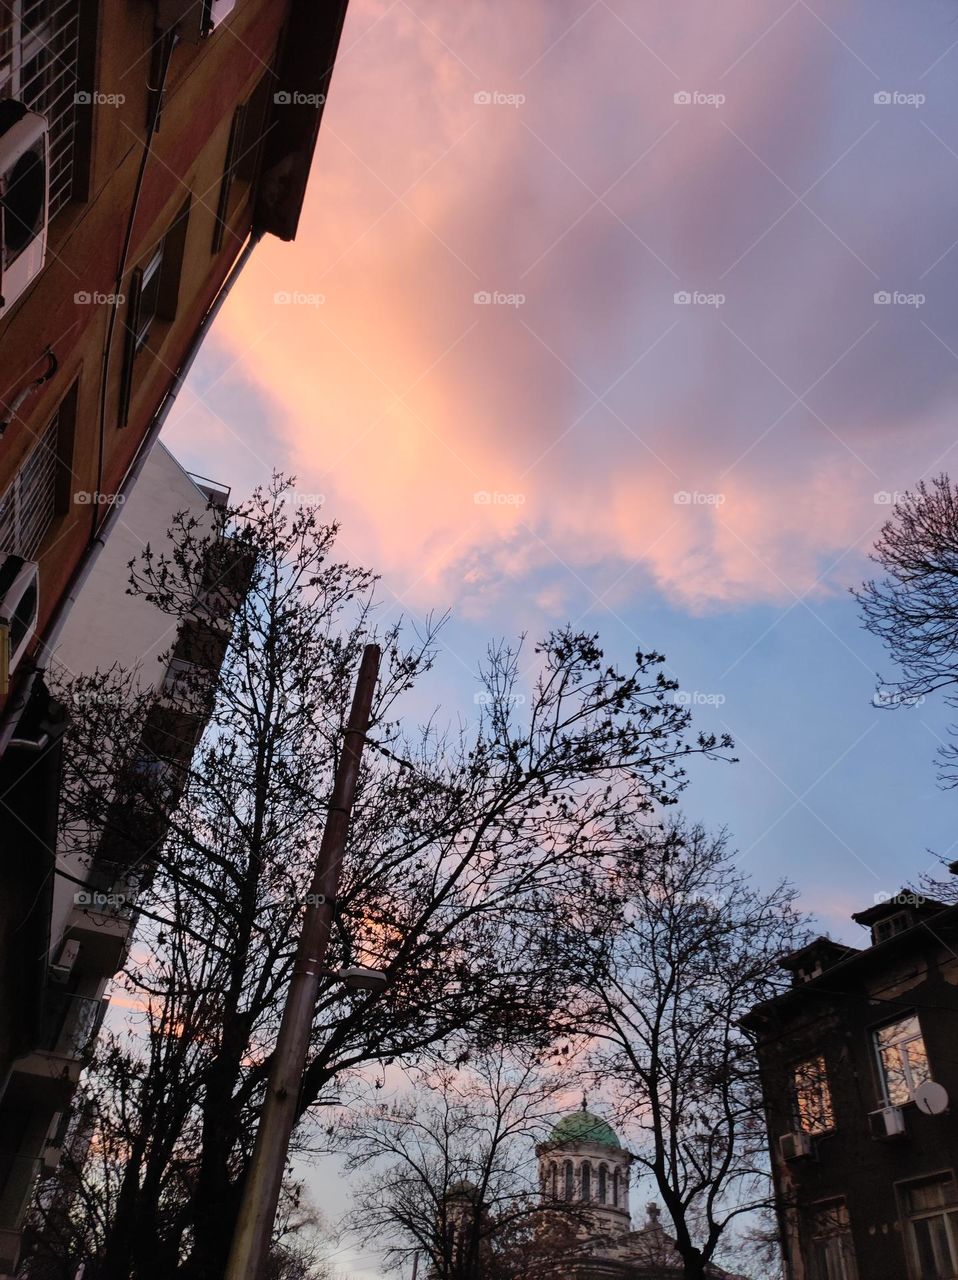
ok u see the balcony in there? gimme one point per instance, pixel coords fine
(48, 1076)
(102, 917)
(16, 1191)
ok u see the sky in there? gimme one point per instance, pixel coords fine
(635, 314)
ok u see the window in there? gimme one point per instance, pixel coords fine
(586, 1182)
(38, 67)
(554, 1180)
(832, 1249)
(243, 152)
(902, 1060)
(812, 1097)
(569, 1180)
(154, 297)
(932, 1208)
(603, 1183)
(615, 1188)
(891, 925)
(40, 490)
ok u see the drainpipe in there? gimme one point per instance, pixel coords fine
(84, 569)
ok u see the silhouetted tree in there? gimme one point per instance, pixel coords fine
(913, 609)
(477, 867)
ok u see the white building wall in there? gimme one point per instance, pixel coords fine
(108, 627)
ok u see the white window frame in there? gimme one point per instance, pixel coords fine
(30, 497)
(905, 1038)
(51, 91)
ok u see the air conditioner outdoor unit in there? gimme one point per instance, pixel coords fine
(24, 199)
(886, 1122)
(194, 20)
(19, 607)
(795, 1146)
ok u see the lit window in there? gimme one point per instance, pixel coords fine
(812, 1096)
(932, 1207)
(586, 1182)
(833, 1252)
(603, 1183)
(902, 1059)
(38, 67)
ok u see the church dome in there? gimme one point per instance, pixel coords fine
(583, 1126)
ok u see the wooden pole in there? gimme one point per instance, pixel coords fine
(254, 1224)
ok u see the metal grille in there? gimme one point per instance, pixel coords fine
(38, 67)
(28, 505)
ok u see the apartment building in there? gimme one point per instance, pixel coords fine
(860, 1079)
(145, 147)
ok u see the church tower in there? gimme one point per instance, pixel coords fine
(584, 1162)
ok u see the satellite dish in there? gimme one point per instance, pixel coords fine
(931, 1098)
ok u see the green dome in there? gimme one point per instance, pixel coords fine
(583, 1126)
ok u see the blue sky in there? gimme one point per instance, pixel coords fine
(634, 314)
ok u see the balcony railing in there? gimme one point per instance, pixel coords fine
(70, 1022)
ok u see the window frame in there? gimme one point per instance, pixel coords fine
(948, 1211)
(885, 1093)
(164, 266)
(56, 477)
(822, 1264)
(804, 1120)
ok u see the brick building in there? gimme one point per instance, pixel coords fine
(858, 1065)
(145, 147)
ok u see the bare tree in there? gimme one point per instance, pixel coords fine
(913, 609)
(477, 871)
(453, 1174)
(699, 948)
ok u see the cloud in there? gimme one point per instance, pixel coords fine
(581, 398)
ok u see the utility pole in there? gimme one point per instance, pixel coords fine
(254, 1224)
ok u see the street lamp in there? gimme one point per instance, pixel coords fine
(359, 978)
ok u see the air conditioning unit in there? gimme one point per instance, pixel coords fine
(19, 607)
(24, 199)
(795, 1146)
(886, 1122)
(194, 20)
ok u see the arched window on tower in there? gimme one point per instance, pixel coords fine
(554, 1179)
(569, 1180)
(587, 1181)
(615, 1188)
(603, 1183)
